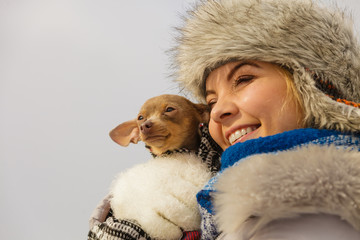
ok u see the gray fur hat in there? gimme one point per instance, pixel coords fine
(317, 44)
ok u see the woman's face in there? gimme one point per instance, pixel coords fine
(247, 101)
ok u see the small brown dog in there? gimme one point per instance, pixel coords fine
(164, 123)
(161, 193)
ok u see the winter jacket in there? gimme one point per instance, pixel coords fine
(301, 184)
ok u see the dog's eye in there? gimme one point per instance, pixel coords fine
(169, 109)
(140, 117)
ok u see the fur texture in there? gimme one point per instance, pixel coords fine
(300, 35)
(311, 179)
(160, 194)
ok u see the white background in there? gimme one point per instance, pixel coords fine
(70, 71)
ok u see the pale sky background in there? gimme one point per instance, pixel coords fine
(70, 71)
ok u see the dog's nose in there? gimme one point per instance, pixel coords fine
(146, 126)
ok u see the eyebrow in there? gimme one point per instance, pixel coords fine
(208, 92)
(232, 72)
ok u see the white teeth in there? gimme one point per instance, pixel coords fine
(243, 131)
(239, 133)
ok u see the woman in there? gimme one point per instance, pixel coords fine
(282, 78)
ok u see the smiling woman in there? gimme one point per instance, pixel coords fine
(282, 78)
(236, 115)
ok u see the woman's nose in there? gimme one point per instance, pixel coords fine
(223, 109)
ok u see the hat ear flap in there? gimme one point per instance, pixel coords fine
(125, 133)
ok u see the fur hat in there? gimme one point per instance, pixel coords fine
(316, 43)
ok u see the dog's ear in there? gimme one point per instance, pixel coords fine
(204, 111)
(125, 133)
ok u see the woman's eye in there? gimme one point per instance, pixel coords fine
(140, 117)
(169, 109)
(243, 79)
(211, 104)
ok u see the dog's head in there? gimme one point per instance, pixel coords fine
(165, 122)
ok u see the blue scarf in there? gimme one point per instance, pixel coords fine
(271, 144)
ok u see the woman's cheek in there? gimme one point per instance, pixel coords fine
(215, 130)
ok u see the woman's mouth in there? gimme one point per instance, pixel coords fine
(241, 133)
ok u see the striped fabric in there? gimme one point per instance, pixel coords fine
(114, 229)
(194, 235)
